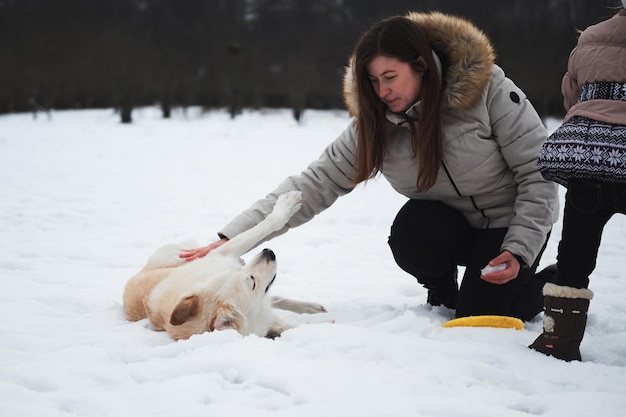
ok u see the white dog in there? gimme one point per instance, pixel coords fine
(217, 291)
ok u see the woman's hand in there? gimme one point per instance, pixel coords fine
(506, 275)
(192, 254)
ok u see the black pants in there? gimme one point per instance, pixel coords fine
(588, 207)
(428, 239)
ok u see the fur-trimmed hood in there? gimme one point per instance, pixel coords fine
(468, 61)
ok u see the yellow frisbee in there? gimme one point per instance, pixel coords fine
(486, 321)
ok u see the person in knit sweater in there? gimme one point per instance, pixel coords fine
(586, 154)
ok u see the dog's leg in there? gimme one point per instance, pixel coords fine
(277, 328)
(300, 307)
(167, 256)
(286, 206)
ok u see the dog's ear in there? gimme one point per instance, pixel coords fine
(186, 308)
(227, 317)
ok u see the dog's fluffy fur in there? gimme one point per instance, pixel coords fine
(217, 291)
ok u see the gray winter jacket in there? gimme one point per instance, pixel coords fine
(491, 139)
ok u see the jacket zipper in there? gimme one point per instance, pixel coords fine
(445, 168)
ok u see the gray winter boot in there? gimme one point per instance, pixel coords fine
(564, 321)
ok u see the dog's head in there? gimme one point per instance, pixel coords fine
(231, 306)
(260, 274)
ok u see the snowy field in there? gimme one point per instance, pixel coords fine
(84, 200)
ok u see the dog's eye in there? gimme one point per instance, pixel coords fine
(253, 282)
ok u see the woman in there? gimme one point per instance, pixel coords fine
(587, 154)
(436, 117)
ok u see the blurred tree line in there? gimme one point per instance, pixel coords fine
(67, 54)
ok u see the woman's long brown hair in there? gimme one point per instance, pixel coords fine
(400, 38)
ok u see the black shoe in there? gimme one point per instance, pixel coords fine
(548, 274)
(440, 296)
(446, 293)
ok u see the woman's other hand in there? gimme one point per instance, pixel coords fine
(506, 275)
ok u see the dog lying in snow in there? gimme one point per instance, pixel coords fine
(218, 291)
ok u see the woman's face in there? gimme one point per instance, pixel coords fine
(395, 82)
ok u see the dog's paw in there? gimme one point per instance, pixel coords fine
(289, 203)
(312, 308)
(300, 307)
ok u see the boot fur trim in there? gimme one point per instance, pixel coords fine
(562, 291)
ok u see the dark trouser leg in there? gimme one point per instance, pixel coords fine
(588, 207)
(520, 297)
(429, 239)
(426, 240)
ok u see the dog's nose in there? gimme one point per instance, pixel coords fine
(268, 254)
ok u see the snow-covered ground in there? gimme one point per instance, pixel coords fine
(84, 200)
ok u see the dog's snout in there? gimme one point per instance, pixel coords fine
(269, 254)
